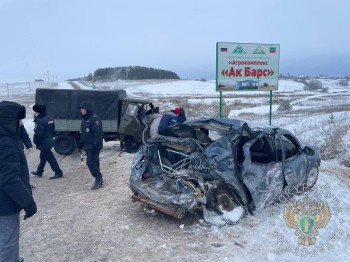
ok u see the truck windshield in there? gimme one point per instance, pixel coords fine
(131, 110)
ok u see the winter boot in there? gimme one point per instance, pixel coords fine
(37, 173)
(57, 175)
(98, 183)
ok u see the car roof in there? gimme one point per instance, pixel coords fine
(221, 124)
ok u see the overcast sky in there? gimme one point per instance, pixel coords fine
(72, 38)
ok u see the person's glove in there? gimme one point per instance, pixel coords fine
(30, 210)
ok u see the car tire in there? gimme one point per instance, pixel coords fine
(64, 144)
(313, 176)
(220, 200)
(130, 145)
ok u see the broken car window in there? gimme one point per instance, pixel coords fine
(290, 146)
(259, 151)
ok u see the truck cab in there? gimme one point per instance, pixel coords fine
(131, 125)
(121, 116)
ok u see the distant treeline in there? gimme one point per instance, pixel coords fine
(130, 73)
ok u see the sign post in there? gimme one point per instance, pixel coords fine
(247, 67)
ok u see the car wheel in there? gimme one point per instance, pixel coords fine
(313, 176)
(64, 144)
(131, 146)
(223, 204)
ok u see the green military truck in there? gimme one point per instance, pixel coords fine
(121, 116)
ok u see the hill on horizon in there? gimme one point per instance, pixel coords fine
(130, 73)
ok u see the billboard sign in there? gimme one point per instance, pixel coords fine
(245, 67)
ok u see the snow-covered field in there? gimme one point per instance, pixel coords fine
(319, 118)
(316, 117)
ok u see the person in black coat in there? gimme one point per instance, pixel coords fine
(15, 190)
(168, 119)
(91, 140)
(43, 139)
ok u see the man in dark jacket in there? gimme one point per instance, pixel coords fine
(15, 191)
(91, 136)
(168, 119)
(43, 139)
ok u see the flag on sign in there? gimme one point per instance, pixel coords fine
(223, 49)
(272, 49)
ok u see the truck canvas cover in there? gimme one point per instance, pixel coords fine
(64, 103)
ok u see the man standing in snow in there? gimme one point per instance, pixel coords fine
(91, 140)
(15, 190)
(43, 139)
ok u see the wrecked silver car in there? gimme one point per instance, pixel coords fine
(224, 167)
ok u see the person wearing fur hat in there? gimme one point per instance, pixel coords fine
(15, 190)
(91, 140)
(43, 139)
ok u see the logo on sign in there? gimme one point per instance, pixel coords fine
(238, 50)
(259, 51)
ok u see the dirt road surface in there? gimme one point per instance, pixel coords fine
(74, 223)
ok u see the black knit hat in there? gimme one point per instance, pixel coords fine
(39, 108)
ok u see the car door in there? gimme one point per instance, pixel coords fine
(129, 124)
(262, 173)
(294, 160)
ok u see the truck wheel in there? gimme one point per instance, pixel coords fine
(131, 146)
(64, 144)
